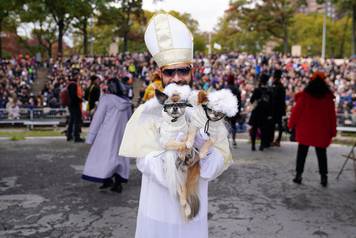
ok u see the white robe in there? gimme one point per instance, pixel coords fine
(159, 214)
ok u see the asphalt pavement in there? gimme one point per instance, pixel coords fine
(42, 195)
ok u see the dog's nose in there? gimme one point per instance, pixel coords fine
(175, 109)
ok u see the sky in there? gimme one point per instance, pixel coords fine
(206, 12)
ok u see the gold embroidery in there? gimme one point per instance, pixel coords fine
(173, 56)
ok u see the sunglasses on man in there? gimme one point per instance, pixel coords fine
(179, 71)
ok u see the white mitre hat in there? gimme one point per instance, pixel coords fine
(169, 40)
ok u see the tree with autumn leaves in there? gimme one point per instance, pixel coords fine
(250, 24)
(88, 22)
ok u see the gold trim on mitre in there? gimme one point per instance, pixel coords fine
(173, 56)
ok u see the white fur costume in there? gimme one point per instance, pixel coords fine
(169, 132)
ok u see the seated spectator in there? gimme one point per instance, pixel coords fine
(13, 109)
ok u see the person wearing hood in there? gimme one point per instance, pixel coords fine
(314, 120)
(105, 134)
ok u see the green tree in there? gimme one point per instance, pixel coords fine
(346, 7)
(105, 34)
(7, 17)
(44, 27)
(234, 32)
(85, 11)
(103, 37)
(46, 36)
(307, 30)
(121, 17)
(62, 13)
(200, 39)
(200, 42)
(109, 26)
(270, 16)
(187, 19)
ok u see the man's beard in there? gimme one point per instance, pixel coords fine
(180, 83)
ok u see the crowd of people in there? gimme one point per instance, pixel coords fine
(124, 67)
(210, 73)
(17, 76)
(294, 74)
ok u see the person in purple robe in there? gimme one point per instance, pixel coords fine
(103, 163)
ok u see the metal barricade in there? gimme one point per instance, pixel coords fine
(8, 117)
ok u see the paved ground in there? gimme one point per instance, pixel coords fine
(42, 195)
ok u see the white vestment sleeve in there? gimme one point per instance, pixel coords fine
(152, 166)
(212, 165)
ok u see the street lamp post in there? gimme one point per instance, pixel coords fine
(324, 31)
(91, 25)
(209, 49)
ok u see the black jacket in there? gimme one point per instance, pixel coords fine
(262, 97)
(278, 100)
(74, 100)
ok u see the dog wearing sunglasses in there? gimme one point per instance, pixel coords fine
(207, 120)
(173, 130)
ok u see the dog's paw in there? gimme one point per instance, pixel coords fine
(181, 147)
(187, 211)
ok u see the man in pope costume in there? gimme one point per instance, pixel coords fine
(159, 216)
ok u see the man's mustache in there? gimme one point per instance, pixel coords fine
(181, 82)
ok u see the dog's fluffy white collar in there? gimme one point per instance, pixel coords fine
(223, 101)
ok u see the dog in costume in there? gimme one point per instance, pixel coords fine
(207, 120)
(173, 131)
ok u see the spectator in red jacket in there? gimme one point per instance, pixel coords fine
(314, 120)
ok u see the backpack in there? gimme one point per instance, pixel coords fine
(64, 96)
